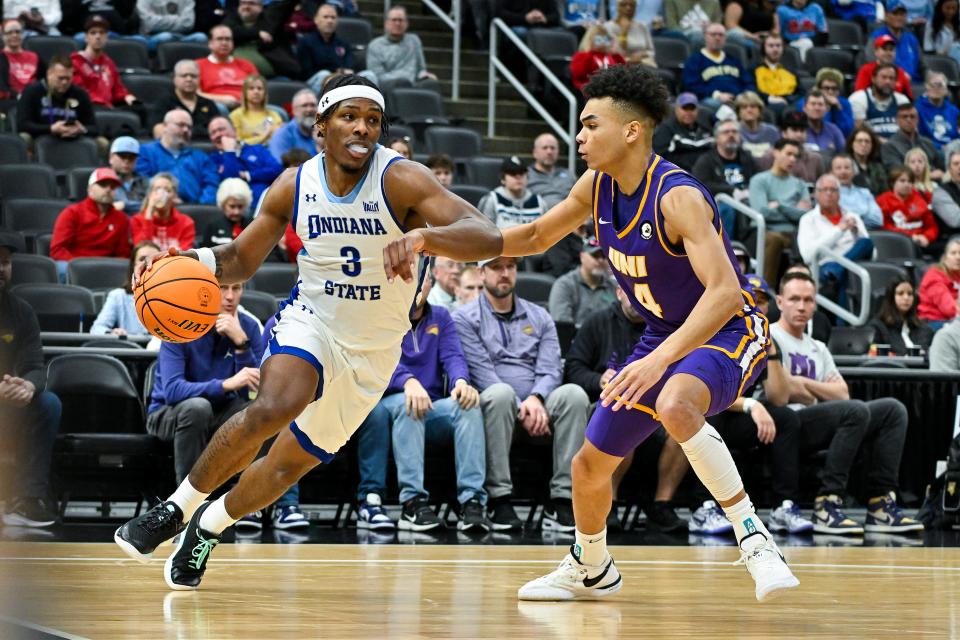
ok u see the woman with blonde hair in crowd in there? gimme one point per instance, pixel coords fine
(940, 287)
(918, 165)
(119, 314)
(632, 36)
(254, 121)
(756, 135)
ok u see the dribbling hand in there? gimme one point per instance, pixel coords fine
(629, 385)
(400, 255)
(147, 263)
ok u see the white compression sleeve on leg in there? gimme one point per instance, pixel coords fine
(713, 464)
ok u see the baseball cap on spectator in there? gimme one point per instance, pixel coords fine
(125, 144)
(759, 285)
(591, 245)
(686, 99)
(512, 166)
(11, 240)
(489, 260)
(96, 20)
(883, 40)
(104, 174)
(896, 5)
(794, 120)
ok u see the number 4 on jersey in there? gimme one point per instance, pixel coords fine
(645, 297)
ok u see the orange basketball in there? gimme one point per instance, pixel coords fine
(178, 299)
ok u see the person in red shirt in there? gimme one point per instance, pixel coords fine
(93, 226)
(25, 66)
(222, 75)
(906, 211)
(885, 50)
(95, 72)
(597, 51)
(940, 287)
(159, 221)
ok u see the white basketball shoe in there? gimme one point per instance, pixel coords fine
(766, 565)
(573, 580)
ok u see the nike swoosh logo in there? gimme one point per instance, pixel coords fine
(597, 540)
(592, 582)
(720, 440)
(602, 221)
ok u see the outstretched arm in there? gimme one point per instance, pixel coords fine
(551, 227)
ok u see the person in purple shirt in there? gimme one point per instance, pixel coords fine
(825, 135)
(422, 411)
(513, 353)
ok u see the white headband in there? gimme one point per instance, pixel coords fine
(340, 94)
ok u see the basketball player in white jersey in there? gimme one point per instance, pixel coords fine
(337, 341)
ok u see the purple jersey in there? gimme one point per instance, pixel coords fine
(656, 275)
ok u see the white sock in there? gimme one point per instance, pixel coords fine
(187, 498)
(215, 519)
(591, 549)
(745, 520)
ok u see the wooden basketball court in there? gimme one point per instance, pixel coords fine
(80, 590)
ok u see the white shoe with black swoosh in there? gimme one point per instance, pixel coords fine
(574, 581)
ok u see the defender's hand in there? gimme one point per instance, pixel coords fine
(400, 255)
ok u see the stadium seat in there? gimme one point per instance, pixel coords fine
(154, 86)
(29, 268)
(945, 65)
(41, 244)
(555, 47)
(892, 246)
(33, 216)
(397, 131)
(835, 58)
(274, 278)
(130, 56)
(418, 108)
(670, 53)
(110, 343)
(738, 51)
(47, 47)
(791, 60)
(202, 214)
(66, 154)
(77, 182)
(117, 122)
(59, 307)
(13, 150)
(261, 304)
(281, 92)
(534, 287)
(470, 193)
(170, 53)
(27, 181)
(881, 275)
(459, 143)
(98, 274)
(850, 341)
(357, 31)
(844, 35)
(483, 171)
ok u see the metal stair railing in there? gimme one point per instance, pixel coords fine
(454, 21)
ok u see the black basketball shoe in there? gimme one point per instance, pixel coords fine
(141, 536)
(184, 569)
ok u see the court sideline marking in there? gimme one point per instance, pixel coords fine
(57, 633)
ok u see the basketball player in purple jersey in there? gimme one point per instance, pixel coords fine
(705, 340)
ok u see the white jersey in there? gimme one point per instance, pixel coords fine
(341, 263)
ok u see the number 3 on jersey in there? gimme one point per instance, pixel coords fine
(645, 297)
(352, 266)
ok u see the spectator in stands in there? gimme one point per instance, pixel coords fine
(513, 353)
(29, 415)
(823, 136)
(168, 21)
(938, 115)
(577, 16)
(776, 85)
(544, 177)
(864, 145)
(92, 227)
(946, 198)
(945, 348)
(885, 51)
(711, 74)
(691, 18)
(469, 286)
(682, 139)
(55, 106)
(828, 226)
(607, 336)
(897, 323)
(39, 17)
(253, 120)
(877, 105)
(631, 35)
(751, 20)
(863, 12)
(186, 81)
(783, 199)
(512, 203)
(919, 168)
(322, 52)
(598, 50)
(905, 138)
(830, 419)
(24, 66)
(906, 211)
(810, 163)
(159, 220)
(373, 446)
(234, 199)
(298, 133)
(757, 136)
(577, 294)
(259, 42)
(95, 71)
(403, 146)
(422, 411)
(523, 15)
(854, 198)
(943, 31)
(195, 172)
(727, 168)
(233, 158)
(829, 82)
(820, 326)
(133, 186)
(908, 47)
(396, 57)
(442, 167)
(940, 286)
(221, 74)
(565, 255)
(803, 25)
(446, 276)
(199, 385)
(118, 316)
